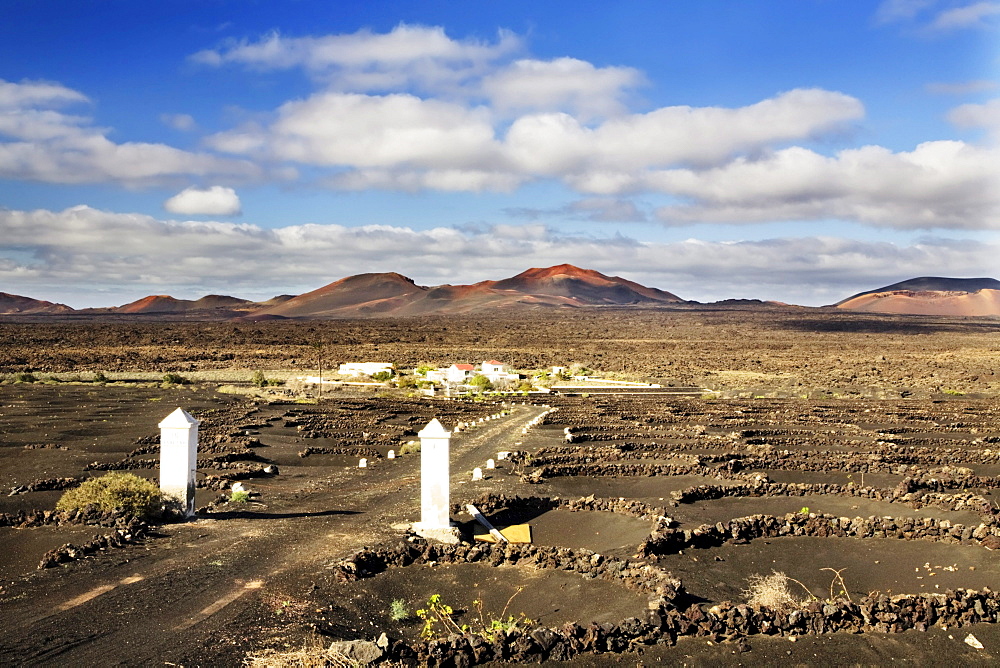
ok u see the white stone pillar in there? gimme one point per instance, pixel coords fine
(179, 459)
(435, 491)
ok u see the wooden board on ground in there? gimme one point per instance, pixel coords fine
(516, 533)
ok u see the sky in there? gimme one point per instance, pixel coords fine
(791, 150)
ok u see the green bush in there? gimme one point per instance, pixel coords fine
(239, 497)
(481, 382)
(399, 611)
(382, 376)
(25, 378)
(175, 379)
(99, 377)
(258, 379)
(137, 496)
(407, 382)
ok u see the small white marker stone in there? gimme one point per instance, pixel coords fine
(391, 455)
(179, 459)
(435, 504)
(363, 463)
(490, 464)
(477, 474)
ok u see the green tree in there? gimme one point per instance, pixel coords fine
(482, 383)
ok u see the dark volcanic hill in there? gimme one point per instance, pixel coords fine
(931, 295)
(391, 294)
(354, 296)
(11, 304)
(585, 286)
(167, 304)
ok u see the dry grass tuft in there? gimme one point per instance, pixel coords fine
(314, 656)
(771, 591)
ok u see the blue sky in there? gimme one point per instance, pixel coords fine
(797, 150)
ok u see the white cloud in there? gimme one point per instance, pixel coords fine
(975, 15)
(14, 96)
(559, 145)
(564, 84)
(943, 184)
(343, 129)
(417, 56)
(986, 116)
(407, 142)
(85, 257)
(212, 201)
(38, 143)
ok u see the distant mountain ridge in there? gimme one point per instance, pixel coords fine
(562, 286)
(385, 294)
(930, 295)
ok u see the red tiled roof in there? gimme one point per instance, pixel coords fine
(494, 362)
(464, 367)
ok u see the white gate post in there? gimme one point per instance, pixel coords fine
(179, 459)
(435, 472)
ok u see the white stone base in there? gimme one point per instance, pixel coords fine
(449, 535)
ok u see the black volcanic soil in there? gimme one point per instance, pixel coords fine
(243, 577)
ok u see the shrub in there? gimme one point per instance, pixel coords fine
(99, 377)
(410, 448)
(175, 379)
(481, 382)
(239, 497)
(25, 378)
(258, 379)
(398, 610)
(772, 591)
(136, 496)
(382, 376)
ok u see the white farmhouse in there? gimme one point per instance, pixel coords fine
(497, 372)
(459, 373)
(365, 368)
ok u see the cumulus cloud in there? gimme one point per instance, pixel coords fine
(45, 251)
(943, 184)
(347, 129)
(559, 145)
(212, 201)
(39, 143)
(14, 96)
(404, 140)
(567, 84)
(985, 116)
(409, 56)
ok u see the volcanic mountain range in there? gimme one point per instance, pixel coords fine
(561, 286)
